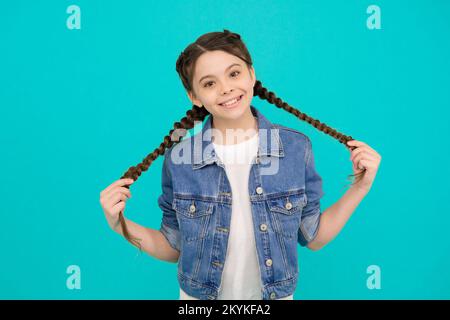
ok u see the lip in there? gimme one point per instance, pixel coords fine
(233, 105)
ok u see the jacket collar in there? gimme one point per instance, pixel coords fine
(269, 141)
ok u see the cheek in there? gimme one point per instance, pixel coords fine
(211, 98)
(249, 85)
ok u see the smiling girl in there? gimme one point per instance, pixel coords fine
(233, 227)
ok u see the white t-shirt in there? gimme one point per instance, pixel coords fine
(241, 278)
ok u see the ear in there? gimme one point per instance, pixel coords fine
(193, 99)
(253, 75)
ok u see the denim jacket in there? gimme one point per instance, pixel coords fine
(284, 190)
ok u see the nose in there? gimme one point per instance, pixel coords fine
(226, 90)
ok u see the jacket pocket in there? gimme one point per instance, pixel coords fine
(286, 210)
(193, 215)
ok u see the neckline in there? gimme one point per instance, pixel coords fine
(236, 145)
(241, 143)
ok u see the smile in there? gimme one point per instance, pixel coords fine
(232, 103)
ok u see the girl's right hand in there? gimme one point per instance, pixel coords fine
(113, 199)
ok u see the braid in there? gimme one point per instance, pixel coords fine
(231, 43)
(198, 114)
(263, 93)
(175, 135)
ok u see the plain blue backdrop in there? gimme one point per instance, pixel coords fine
(80, 106)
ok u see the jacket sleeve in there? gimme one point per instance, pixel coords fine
(310, 219)
(169, 225)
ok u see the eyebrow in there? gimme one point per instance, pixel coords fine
(234, 64)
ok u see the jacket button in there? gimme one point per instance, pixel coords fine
(263, 227)
(273, 295)
(192, 208)
(259, 190)
(269, 262)
(288, 206)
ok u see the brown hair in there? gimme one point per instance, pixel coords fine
(231, 43)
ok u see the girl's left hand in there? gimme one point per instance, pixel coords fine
(362, 157)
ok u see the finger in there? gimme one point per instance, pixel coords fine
(355, 143)
(116, 198)
(356, 151)
(361, 144)
(117, 208)
(360, 167)
(366, 149)
(123, 190)
(364, 162)
(357, 168)
(367, 164)
(362, 156)
(371, 150)
(118, 183)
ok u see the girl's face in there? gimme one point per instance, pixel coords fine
(218, 78)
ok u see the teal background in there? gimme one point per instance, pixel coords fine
(79, 107)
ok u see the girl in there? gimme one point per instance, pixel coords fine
(233, 226)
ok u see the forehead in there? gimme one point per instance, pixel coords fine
(214, 63)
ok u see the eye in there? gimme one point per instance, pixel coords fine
(234, 72)
(206, 85)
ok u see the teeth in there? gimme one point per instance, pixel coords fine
(230, 102)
